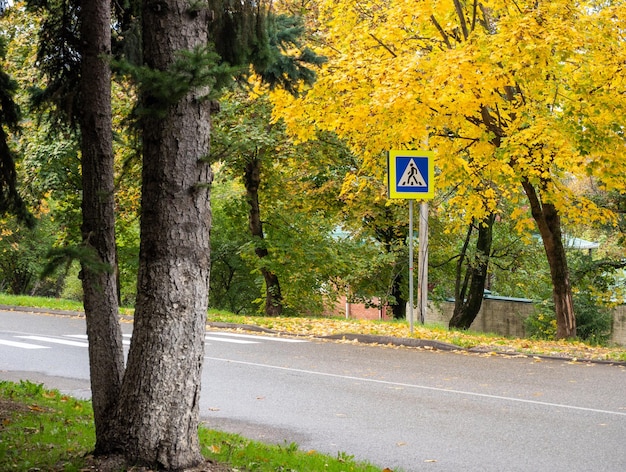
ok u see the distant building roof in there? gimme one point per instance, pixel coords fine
(582, 244)
(575, 243)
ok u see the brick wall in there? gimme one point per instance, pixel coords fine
(358, 311)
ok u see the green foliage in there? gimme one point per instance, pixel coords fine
(249, 33)
(233, 286)
(11, 201)
(297, 202)
(542, 323)
(593, 321)
(86, 255)
(198, 70)
(277, 67)
(22, 256)
(58, 59)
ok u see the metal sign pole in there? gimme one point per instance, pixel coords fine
(422, 290)
(411, 266)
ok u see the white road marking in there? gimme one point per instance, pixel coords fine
(254, 336)
(224, 337)
(125, 342)
(226, 340)
(45, 339)
(422, 387)
(22, 345)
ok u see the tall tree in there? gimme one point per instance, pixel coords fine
(524, 87)
(162, 381)
(100, 292)
(154, 418)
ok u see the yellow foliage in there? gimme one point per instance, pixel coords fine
(524, 90)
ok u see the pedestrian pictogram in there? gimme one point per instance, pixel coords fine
(411, 175)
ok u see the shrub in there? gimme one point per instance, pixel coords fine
(542, 323)
(593, 320)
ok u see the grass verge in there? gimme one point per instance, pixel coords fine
(43, 430)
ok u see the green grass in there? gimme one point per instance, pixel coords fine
(50, 303)
(243, 454)
(42, 430)
(40, 302)
(46, 431)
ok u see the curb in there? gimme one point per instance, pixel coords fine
(389, 340)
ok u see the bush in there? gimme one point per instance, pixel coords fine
(542, 323)
(593, 321)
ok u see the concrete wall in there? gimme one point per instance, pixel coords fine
(618, 335)
(506, 316)
(498, 315)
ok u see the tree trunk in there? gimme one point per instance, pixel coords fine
(468, 297)
(273, 295)
(106, 359)
(399, 307)
(158, 413)
(549, 224)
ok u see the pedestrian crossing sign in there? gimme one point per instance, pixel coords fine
(411, 175)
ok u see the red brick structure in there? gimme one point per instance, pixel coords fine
(359, 311)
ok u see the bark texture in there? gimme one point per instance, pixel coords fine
(469, 293)
(549, 223)
(158, 414)
(106, 359)
(273, 294)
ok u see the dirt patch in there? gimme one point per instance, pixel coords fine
(117, 463)
(8, 409)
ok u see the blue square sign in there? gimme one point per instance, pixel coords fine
(411, 175)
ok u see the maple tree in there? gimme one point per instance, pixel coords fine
(526, 96)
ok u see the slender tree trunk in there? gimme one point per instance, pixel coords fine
(158, 413)
(106, 359)
(273, 295)
(470, 293)
(399, 308)
(549, 224)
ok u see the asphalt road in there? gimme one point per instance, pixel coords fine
(406, 409)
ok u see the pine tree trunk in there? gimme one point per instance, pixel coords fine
(158, 414)
(106, 360)
(273, 294)
(469, 294)
(549, 224)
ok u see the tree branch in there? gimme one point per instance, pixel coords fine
(383, 45)
(441, 31)
(459, 12)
